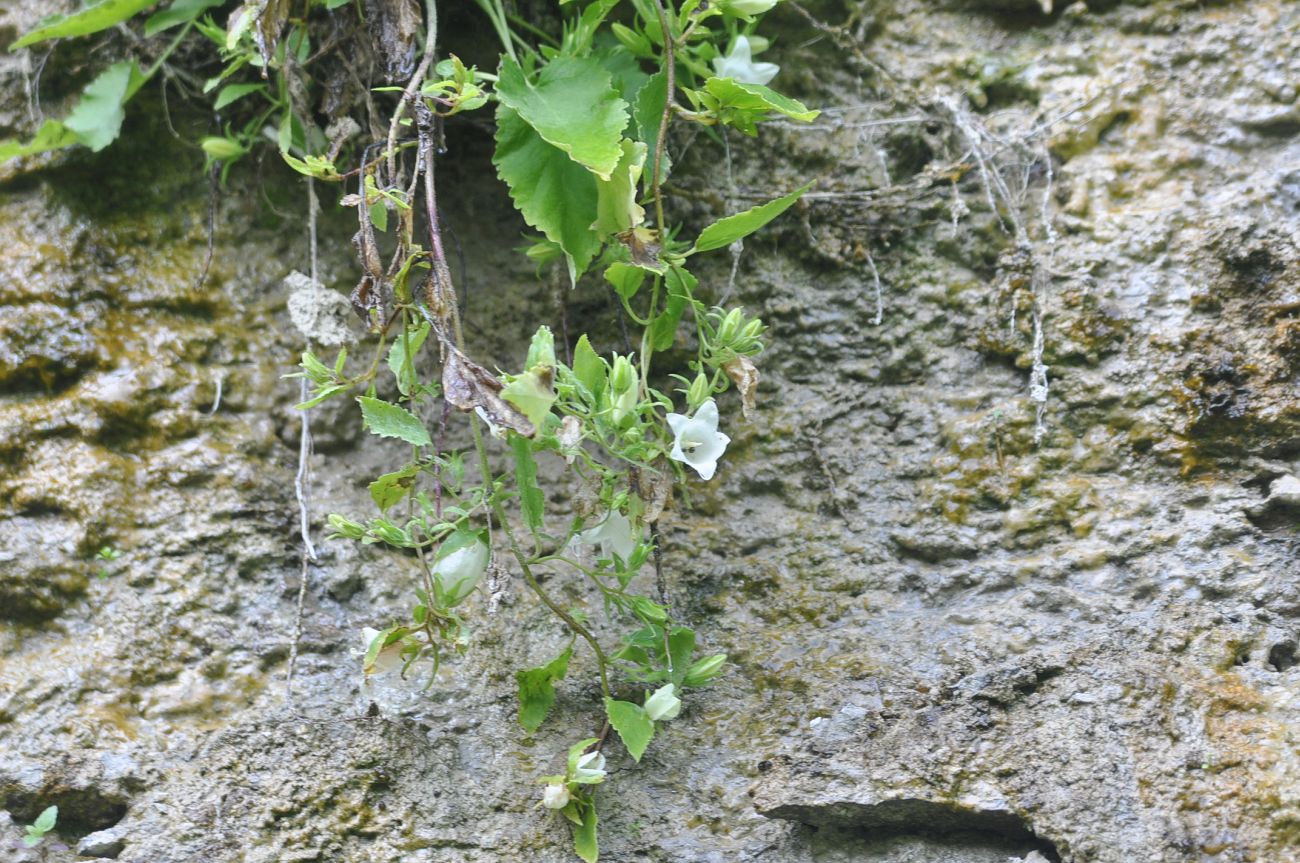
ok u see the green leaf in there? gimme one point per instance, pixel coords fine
(633, 725)
(233, 92)
(180, 12)
(97, 117)
(537, 689)
(321, 395)
(397, 358)
(52, 135)
(744, 105)
(589, 367)
(625, 278)
(541, 349)
(584, 837)
(726, 231)
(532, 503)
(647, 610)
(648, 114)
(556, 195)
(616, 207)
(663, 329)
(389, 420)
(533, 393)
(392, 487)
(92, 19)
(44, 822)
(573, 106)
(681, 644)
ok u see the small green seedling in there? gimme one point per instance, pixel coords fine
(107, 554)
(43, 824)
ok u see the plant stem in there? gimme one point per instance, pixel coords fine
(670, 88)
(574, 626)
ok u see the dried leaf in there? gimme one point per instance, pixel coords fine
(744, 374)
(570, 436)
(271, 16)
(467, 385)
(655, 489)
(643, 245)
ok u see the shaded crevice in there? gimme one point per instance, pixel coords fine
(882, 831)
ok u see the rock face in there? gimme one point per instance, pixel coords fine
(1007, 562)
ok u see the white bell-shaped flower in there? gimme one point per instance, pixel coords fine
(740, 65)
(590, 768)
(663, 704)
(556, 796)
(456, 575)
(697, 441)
(613, 536)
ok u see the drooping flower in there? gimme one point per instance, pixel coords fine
(663, 704)
(697, 441)
(740, 65)
(614, 536)
(456, 575)
(556, 796)
(389, 657)
(590, 769)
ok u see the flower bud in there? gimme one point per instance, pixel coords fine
(457, 574)
(664, 704)
(705, 670)
(730, 326)
(623, 389)
(700, 390)
(623, 376)
(222, 149)
(555, 796)
(541, 352)
(346, 527)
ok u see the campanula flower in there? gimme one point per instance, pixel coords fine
(697, 441)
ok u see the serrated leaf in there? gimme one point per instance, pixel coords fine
(532, 393)
(537, 689)
(616, 207)
(726, 231)
(625, 278)
(681, 644)
(392, 487)
(556, 195)
(180, 12)
(584, 837)
(532, 503)
(589, 367)
(233, 92)
(91, 19)
(573, 106)
(397, 357)
(97, 117)
(389, 420)
(648, 113)
(52, 135)
(633, 725)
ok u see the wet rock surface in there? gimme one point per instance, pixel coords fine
(959, 636)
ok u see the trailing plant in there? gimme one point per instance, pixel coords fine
(583, 117)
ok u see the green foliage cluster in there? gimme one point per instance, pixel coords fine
(582, 119)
